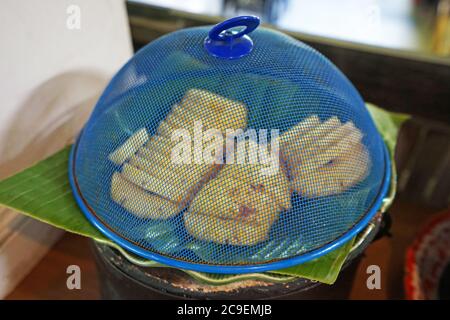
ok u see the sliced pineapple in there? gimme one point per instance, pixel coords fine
(324, 158)
(277, 185)
(240, 199)
(224, 231)
(139, 202)
(152, 168)
(129, 147)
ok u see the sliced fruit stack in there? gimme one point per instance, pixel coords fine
(151, 184)
(235, 203)
(239, 206)
(324, 158)
(214, 112)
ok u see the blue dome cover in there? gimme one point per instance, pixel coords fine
(329, 173)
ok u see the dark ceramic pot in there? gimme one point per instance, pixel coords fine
(121, 279)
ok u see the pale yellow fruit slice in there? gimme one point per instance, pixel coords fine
(325, 158)
(343, 173)
(187, 119)
(235, 199)
(212, 200)
(202, 99)
(153, 184)
(341, 132)
(270, 178)
(277, 185)
(229, 114)
(158, 141)
(139, 202)
(325, 142)
(187, 178)
(158, 144)
(331, 152)
(294, 134)
(163, 173)
(256, 205)
(165, 130)
(224, 231)
(168, 148)
(349, 169)
(154, 161)
(296, 150)
(234, 116)
(129, 147)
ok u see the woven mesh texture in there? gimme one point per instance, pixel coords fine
(229, 162)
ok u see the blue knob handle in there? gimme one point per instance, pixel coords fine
(222, 42)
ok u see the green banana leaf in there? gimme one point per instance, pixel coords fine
(43, 193)
(388, 124)
(324, 269)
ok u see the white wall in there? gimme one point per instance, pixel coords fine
(50, 78)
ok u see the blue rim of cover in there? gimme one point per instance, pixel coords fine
(238, 269)
(223, 42)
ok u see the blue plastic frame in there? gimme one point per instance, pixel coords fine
(285, 263)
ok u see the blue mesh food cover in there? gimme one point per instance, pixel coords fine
(229, 149)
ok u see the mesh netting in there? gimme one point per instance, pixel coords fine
(228, 162)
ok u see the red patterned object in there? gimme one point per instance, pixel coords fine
(427, 259)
